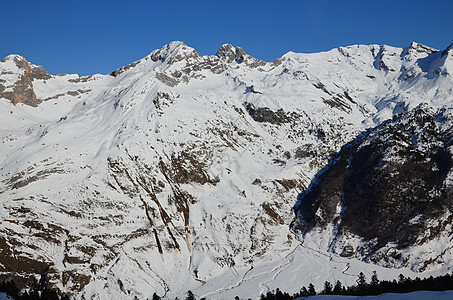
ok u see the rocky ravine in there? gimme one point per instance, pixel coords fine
(179, 168)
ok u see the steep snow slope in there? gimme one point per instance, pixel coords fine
(179, 172)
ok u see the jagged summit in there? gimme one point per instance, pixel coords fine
(17, 76)
(414, 46)
(416, 51)
(173, 52)
(169, 54)
(176, 62)
(22, 64)
(230, 53)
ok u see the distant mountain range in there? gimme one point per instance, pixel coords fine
(225, 174)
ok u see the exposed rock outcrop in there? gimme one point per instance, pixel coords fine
(22, 89)
(230, 53)
(388, 186)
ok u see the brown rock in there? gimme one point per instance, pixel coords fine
(23, 88)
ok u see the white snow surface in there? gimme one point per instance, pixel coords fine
(93, 167)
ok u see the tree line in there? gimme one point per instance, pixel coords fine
(361, 288)
(374, 287)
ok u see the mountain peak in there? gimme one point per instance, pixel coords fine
(37, 72)
(17, 85)
(416, 48)
(14, 57)
(173, 52)
(229, 52)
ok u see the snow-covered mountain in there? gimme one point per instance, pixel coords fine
(180, 171)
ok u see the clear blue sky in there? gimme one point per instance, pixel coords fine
(97, 36)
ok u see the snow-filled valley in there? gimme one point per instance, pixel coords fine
(181, 171)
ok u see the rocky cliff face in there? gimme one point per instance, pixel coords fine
(180, 169)
(390, 187)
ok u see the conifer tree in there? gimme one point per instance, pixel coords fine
(374, 284)
(278, 294)
(374, 279)
(361, 284)
(327, 288)
(338, 288)
(304, 292)
(311, 289)
(361, 281)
